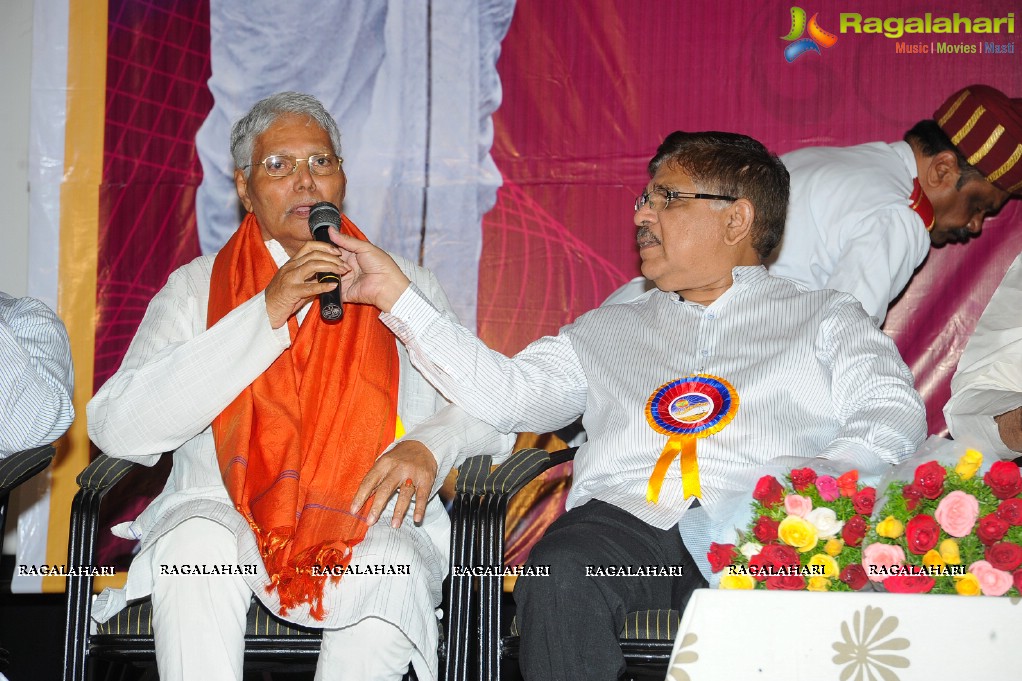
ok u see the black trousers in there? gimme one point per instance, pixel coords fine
(570, 620)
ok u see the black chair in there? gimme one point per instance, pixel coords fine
(270, 643)
(648, 636)
(16, 469)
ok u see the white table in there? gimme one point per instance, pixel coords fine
(742, 635)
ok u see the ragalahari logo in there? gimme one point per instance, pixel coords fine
(799, 45)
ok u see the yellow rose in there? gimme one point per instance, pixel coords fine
(969, 464)
(738, 582)
(833, 547)
(932, 558)
(967, 585)
(830, 566)
(890, 527)
(818, 584)
(949, 552)
(795, 531)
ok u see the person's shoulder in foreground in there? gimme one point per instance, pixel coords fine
(36, 375)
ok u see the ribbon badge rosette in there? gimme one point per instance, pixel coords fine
(805, 534)
(952, 529)
(685, 410)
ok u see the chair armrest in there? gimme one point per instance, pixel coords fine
(500, 485)
(103, 473)
(20, 466)
(521, 468)
(98, 478)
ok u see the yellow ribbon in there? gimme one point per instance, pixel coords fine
(685, 446)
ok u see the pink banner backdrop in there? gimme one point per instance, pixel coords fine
(157, 68)
(592, 86)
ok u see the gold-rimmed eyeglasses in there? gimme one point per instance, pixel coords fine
(280, 165)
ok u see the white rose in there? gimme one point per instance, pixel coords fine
(825, 521)
(750, 549)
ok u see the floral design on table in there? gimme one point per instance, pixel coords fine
(683, 657)
(864, 649)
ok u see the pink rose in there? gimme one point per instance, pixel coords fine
(992, 582)
(957, 513)
(876, 557)
(827, 487)
(795, 504)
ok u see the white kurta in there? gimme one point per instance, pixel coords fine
(178, 375)
(988, 381)
(849, 227)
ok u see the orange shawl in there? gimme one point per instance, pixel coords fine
(295, 444)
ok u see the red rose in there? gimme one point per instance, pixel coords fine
(720, 556)
(847, 482)
(909, 584)
(854, 530)
(768, 491)
(802, 478)
(1004, 555)
(921, 534)
(929, 479)
(854, 576)
(786, 583)
(1016, 577)
(912, 496)
(1010, 511)
(772, 558)
(765, 529)
(864, 500)
(990, 529)
(1003, 479)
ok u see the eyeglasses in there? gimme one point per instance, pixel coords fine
(659, 199)
(282, 166)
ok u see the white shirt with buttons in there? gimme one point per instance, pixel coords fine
(813, 376)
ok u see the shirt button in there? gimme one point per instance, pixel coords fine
(711, 316)
(704, 353)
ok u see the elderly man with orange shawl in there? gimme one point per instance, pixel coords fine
(275, 418)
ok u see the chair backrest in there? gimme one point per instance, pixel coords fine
(16, 469)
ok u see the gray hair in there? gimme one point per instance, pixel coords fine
(266, 111)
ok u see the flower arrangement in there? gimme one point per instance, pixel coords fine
(950, 531)
(806, 534)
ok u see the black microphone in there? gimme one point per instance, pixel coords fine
(322, 216)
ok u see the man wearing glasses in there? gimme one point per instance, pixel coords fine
(274, 417)
(722, 367)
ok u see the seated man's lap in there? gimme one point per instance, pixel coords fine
(590, 542)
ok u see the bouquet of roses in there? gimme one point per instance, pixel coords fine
(950, 530)
(806, 534)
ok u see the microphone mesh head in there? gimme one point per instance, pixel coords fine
(322, 215)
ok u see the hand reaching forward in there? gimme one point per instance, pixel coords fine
(295, 283)
(406, 470)
(372, 277)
